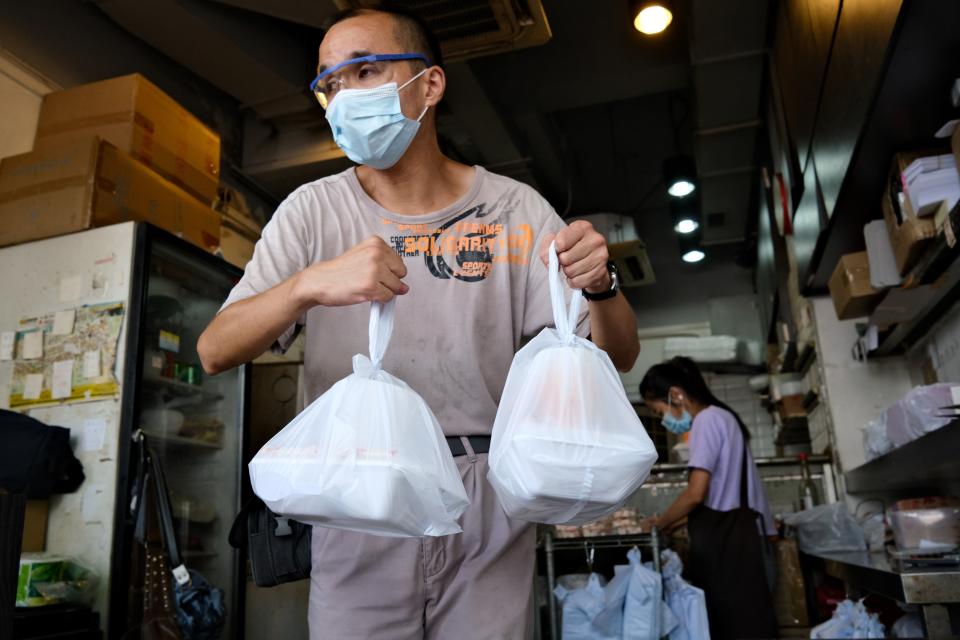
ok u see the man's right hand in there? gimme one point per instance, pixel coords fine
(371, 271)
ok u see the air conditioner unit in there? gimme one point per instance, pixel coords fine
(472, 28)
(633, 263)
(627, 250)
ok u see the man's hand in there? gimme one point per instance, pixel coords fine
(371, 271)
(583, 256)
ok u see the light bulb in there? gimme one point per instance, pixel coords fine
(694, 255)
(687, 225)
(681, 188)
(652, 19)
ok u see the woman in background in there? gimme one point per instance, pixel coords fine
(728, 517)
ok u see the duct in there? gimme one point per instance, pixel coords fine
(257, 63)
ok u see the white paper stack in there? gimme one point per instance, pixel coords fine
(705, 349)
(930, 181)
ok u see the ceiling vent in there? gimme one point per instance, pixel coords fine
(472, 28)
(627, 251)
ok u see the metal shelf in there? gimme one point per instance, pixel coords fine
(939, 273)
(551, 545)
(929, 461)
(181, 389)
(872, 572)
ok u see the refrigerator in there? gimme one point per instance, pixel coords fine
(140, 298)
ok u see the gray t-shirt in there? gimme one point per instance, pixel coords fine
(477, 287)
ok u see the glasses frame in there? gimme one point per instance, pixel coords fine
(376, 57)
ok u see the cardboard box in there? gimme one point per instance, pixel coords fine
(910, 236)
(35, 526)
(238, 236)
(853, 295)
(91, 183)
(790, 598)
(134, 115)
(236, 248)
(791, 407)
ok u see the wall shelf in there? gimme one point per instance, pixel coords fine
(929, 461)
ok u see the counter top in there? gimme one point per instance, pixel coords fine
(872, 571)
(761, 462)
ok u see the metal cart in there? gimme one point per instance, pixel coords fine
(552, 544)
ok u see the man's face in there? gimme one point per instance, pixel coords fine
(371, 34)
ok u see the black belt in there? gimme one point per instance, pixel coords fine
(480, 444)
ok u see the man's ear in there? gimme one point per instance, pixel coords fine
(436, 83)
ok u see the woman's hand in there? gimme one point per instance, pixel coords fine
(649, 523)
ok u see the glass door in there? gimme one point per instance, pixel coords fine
(194, 422)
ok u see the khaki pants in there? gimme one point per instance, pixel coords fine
(476, 585)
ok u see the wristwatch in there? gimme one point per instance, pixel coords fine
(609, 293)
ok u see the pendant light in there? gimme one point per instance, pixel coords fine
(651, 17)
(691, 250)
(685, 215)
(680, 176)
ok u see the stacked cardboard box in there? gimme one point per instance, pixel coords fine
(110, 152)
(910, 234)
(239, 232)
(91, 183)
(853, 295)
(138, 118)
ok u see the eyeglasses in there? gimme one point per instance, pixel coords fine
(357, 73)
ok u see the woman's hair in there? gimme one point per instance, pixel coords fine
(682, 372)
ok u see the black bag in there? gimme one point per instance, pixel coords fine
(726, 561)
(278, 547)
(36, 459)
(200, 610)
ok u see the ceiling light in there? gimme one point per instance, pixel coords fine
(652, 18)
(685, 215)
(680, 176)
(681, 188)
(687, 225)
(690, 249)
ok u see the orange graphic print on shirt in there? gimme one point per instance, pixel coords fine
(469, 246)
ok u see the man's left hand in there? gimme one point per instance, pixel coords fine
(583, 256)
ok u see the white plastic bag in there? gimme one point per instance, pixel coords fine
(368, 455)
(826, 528)
(567, 445)
(850, 620)
(688, 603)
(581, 607)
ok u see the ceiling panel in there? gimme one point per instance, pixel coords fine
(729, 195)
(726, 151)
(728, 92)
(727, 28)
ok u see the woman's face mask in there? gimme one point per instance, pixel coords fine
(673, 423)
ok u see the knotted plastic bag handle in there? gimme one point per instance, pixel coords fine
(381, 328)
(565, 319)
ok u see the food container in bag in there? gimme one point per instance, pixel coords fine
(931, 529)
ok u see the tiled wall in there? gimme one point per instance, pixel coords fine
(736, 392)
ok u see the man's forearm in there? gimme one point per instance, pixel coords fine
(613, 328)
(247, 328)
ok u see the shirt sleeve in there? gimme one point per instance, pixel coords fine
(537, 308)
(285, 248)
(706, 442)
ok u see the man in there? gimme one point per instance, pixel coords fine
(465, 250)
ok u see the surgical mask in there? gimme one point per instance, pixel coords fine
(676, 425)
(369, 125)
